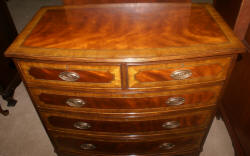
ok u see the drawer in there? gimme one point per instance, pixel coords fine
(180, 73)
(167, 145)
(186, 153)
(118, 102)
(77, 76)
(181, 121)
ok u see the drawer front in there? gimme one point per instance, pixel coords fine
(187, 121)
(185, 153)
(182, 73)
(82, 2)
(164, 101)
(107, 146)
(77, 76)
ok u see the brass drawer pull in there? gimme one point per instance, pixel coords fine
(171, 124)
(175, 101)
(69, 76)
(167, 146)
(75, 102)
(87, 146)
(181, 74)
(82, 125)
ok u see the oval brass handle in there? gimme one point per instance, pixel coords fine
(171, 124)
(82, 125)
(181, 74)
(167, 146)
(69, 76)
(74, 102)
(87, 146)
(175, 101)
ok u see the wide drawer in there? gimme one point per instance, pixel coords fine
(180, 73)
(125, 102)
(181, 121)
(184, 153)
(168, 145)
(76, 76)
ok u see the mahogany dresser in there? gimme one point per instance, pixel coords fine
(126, 79)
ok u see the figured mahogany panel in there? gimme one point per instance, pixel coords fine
(103, 76)
(123, 27)
(85, 76)
(197, 97)
(181, 143)
(186, 122)
(121, 33)
(184, 153)
(80, 2)
(157, 75)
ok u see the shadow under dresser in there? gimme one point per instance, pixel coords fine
(126, 79)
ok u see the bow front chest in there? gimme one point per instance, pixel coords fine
(126, 79)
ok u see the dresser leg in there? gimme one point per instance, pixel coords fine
(218, 114)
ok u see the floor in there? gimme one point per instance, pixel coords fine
(22, 134)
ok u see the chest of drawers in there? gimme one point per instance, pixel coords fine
(126, 79)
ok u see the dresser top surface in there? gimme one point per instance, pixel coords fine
(125, 33)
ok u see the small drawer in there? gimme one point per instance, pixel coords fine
(91, 102)
(175, 74)
(187, 121)
(77, 76)
(107, 145)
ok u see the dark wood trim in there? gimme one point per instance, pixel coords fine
(235, 141)
(234, 103)
(243, 20)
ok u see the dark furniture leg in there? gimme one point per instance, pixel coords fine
(4, 112)
(10, 80)
(8, 93)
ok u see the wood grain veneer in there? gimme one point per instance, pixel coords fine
(189, 121)
(90, 75)
(81, 2)
(120, 33)
(160, 74)
(122, 102)
(68, 143)
(184, 153)
(124, 55)
(85, 76)
(90, 35)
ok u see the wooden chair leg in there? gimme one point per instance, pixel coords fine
(4, 112)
